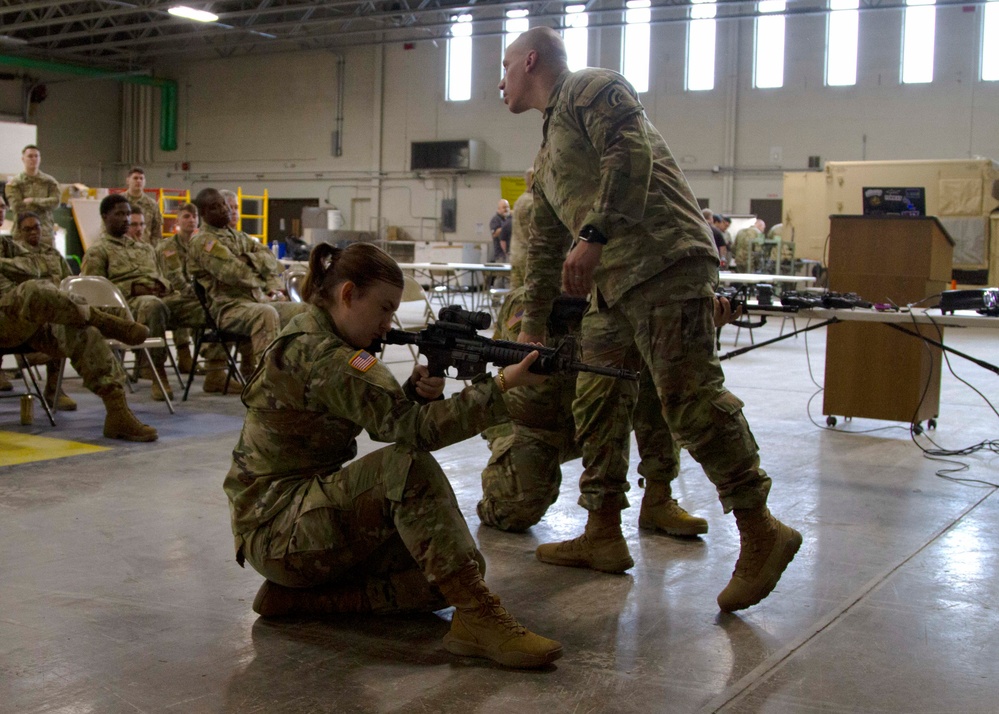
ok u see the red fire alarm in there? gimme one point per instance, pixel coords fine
(185, 166)
(409, 45)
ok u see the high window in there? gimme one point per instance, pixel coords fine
(459, 59)
(637, 43)
(768, 69)
(516, 22)
(918, 35)
(841, 43)
(576, 35)
(701, 46)
(990, 44)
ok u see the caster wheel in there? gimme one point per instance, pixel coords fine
(830, 421)
(931, 424)
(917, 429)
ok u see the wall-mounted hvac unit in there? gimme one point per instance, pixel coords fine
(459, 155)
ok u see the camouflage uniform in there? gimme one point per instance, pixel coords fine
(522, 208)
(603, 164)
(237, 290)
(44, 190)
(126, 263)
(49, 320)
(51, 264)
(743, 245)
(172, 253)
(523, 477)
(306, 512)
(153, 232)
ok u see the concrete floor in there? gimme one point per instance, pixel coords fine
(119, 591)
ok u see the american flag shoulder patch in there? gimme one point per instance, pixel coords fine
(515, 318)
(362, 361)
(209, 245)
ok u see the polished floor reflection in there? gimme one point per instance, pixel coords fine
(119, 591)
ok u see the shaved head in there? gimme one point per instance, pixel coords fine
(531, 68)
(547, 43)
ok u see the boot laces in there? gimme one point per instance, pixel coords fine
(490, 608)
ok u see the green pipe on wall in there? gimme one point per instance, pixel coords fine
(168, 89)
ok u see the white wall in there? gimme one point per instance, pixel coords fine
(266, 121)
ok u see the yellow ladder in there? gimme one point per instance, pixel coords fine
(256, 220)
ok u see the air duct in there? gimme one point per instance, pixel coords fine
(167, 87)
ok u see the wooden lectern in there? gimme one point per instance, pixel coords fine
(873, 370)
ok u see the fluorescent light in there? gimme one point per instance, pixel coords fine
(189, 13)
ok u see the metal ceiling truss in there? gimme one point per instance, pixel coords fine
(127, 35)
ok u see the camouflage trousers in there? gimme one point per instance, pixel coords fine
(523, 476)
(174, 312)
(40, 315)
(261, 321)
(666, 324)
(387, 521)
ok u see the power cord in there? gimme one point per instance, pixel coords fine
(937, 454)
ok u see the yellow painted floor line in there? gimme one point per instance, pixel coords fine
(24, 448)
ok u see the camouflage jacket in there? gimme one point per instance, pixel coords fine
(173, 253)
(125, 262)
(16, 264)
(522, 209)
(51, 264)
(603, 164)
(153, 232)
(44, 192)
(306, 404)
(232, 266)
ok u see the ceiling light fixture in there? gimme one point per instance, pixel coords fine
(189, 13)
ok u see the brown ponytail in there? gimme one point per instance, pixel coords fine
(361, 263)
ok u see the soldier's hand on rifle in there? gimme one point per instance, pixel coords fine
(578, 269)
(517, 375)
(426, 386)
(723, 312)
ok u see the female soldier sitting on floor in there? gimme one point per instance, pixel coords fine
(383, 532)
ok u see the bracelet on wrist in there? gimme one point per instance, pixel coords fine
(502, 381)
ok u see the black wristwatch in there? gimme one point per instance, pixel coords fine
(589, 234)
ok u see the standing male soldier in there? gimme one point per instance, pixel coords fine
(60, 325)
(642, 252)
(520, 229)
(242, 280)
(32, 190)
(134, 185)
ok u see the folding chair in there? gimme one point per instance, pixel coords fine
(31, 386)
(101, 292)
(211, 333)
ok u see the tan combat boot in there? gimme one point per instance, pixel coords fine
(601, 547)
(158, 393)
(661, 512)
(62, 402)
(184, 359)
(481, 627)
(127, 331)
(120, 422)
(767, 546)
(275, 600)
(215, 376)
